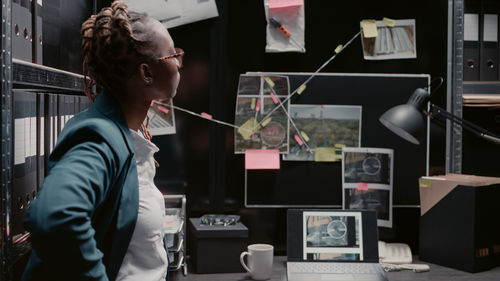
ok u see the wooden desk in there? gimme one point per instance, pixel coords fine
(437, 273)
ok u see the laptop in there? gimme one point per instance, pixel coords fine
(332, 245)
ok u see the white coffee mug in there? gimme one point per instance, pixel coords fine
(260, 261)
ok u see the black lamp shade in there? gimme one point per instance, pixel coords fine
(406, 121)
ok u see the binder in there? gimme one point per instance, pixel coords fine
(488, 70)
(20, 48)
(40, 138)
(471, 40)
(26, 31)
(52, 122)
(25, 161)
(37, 46)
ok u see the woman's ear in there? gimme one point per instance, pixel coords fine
(146, 73)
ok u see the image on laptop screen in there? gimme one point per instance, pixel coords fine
(332, 236)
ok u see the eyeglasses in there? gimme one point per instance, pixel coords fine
(179, 53)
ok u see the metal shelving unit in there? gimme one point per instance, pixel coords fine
(455, 87)
(175, 209)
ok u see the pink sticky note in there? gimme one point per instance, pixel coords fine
(280, 4)
(163, 109)
(262, 159)
(206, 115)
(299, 141)
(275, 99)
(362, 186)
(257, 107)
(152, 103)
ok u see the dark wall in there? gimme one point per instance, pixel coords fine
(219, 50)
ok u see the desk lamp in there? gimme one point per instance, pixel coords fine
(407, 120)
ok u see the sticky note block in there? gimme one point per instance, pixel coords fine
(389, 22)
(262, 159)
(163, 109)
(304, 136)
(324, 154)
(206, 115)
(424, 183)
(252, 104)
(275, 99)
(280, 4)
(298, 140)
(339, 48)
(362, 186)
(248, 128)
(257, 107)
(266, 122)
(269, 81)
(301, 89)
(369, 28)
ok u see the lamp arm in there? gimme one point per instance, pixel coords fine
(471, 127)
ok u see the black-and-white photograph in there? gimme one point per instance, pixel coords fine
(372, 199)
(367, 167)
(331, 231)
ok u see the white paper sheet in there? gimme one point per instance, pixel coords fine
(192, 11)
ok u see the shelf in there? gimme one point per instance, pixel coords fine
(481, 87)
(178, 265)
(35, 76)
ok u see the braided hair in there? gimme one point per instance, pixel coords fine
(114, 42)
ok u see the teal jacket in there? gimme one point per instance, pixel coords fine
(84, 215)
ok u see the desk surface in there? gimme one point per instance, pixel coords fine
(436, 273)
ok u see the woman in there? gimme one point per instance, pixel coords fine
(98, 216)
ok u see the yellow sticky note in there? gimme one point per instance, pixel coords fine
(248, 128)
(424, 183)
(339, 145)
(389, 22)
(252, 105)
(266, 122)
(339, 48)
(269, 81)
(301, 89)
(324, 154)
(369, 28)
(304, 136)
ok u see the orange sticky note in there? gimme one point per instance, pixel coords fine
(362, 186)
(257, 107)
(206, 115)
(163, 109)
(275, 99)
(298, 140)
(262, 159)
(280, 4)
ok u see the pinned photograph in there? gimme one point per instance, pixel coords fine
(367, 181)
(257, 97)
(323, 126)
(161, 119)
(389, 39)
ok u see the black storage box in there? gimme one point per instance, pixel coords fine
(460, 221)
(216, 248)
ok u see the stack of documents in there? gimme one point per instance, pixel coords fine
(481, 100)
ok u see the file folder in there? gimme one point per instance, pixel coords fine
(25, 161)
(471, 40)
(489, 42)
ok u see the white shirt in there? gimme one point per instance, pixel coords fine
(146, 258)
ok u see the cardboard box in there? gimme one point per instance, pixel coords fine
(215, 248)
(460, 221)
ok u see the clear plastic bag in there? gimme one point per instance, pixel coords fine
(291, 19)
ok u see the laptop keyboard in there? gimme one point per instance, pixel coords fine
(332, 267)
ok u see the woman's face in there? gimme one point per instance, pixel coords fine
(166, 72)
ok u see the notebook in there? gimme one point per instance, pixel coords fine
(332, 245)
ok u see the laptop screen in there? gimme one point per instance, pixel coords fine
(332, 235)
